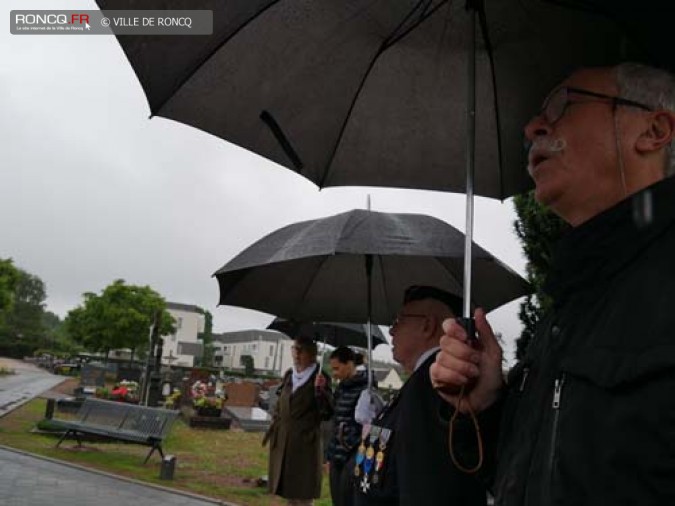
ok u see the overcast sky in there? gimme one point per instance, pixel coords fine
(93, 190)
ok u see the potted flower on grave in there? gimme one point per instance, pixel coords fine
(173, 400)
(125, 391)
(206, 400)
(102, 393)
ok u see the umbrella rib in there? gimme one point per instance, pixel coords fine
(391, 39)
(488, 49)
(425, 15)
(199, 64)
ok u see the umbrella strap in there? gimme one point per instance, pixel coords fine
(479, 438)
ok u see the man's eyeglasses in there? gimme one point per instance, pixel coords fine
(556, 103)
(402, 316)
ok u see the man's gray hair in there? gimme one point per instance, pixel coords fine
(652, 87)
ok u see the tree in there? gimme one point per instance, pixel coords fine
(22, 329)
(9, 277)
(120, 317)
(538, 230)
(207, 338)
(249, 366)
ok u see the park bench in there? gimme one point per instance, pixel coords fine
(120, 421)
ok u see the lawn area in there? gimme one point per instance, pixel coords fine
(223, 464)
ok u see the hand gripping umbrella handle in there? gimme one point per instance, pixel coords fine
(469, 325)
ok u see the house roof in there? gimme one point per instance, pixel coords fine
(249, 336)
(190, 308)
(380, 374)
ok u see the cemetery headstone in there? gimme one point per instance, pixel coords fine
(91, 377)
(129, 374)
(243, 394)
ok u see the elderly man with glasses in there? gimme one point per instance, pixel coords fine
(588, 416)
(403, 457)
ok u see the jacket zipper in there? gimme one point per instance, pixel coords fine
(557, 394)
(526, 371)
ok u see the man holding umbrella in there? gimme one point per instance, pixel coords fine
(589, 413)
(403, 458)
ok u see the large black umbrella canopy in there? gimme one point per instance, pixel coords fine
(317, 270)
(374, 92)
(333, 333)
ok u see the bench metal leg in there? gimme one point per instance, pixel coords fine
(152, 450)
(69, 431)
(63, 437)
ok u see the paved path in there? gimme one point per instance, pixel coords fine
(30, 481)
(28, 382)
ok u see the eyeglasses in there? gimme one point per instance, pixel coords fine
(401, 316)
(557, 102)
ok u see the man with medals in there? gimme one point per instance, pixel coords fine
(403, 457)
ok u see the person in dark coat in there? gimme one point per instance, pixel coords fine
(589, 414)
(296, 455)
(346, 433)
(403, 458)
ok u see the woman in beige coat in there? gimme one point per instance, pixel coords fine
(296, 455)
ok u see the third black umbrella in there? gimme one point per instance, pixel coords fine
(333, 333)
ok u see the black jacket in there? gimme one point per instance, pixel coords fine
(590, 414)
(418, 470)
(346, 431)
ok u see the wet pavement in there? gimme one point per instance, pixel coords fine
(27, 480)
(27, 382)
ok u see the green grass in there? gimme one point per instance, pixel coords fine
(223, 464)
(5, 371)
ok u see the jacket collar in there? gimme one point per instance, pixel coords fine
(602, 246)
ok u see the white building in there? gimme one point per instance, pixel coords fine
(184, 346)
(271, 350)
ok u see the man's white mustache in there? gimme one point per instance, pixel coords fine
(546, 147)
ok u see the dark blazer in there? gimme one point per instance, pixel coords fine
(417, 467)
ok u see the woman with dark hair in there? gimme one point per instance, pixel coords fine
(346, 431)
(305, 399)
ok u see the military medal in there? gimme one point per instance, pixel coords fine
(369, 457)
(379, 458)
(361, 453)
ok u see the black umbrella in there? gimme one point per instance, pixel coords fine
(374, 92)
(321, 270)
(386, 92)
(355, 266)
(333, 333)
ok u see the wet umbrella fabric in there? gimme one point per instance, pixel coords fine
(374, 92)
(333, 333)
(317, 270)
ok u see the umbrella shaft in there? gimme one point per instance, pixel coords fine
(470, 160)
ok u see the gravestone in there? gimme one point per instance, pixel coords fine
(250, 419)
(243, 394)
(129, 374)
(91, 378)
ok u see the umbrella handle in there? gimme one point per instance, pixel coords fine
(469, 325)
